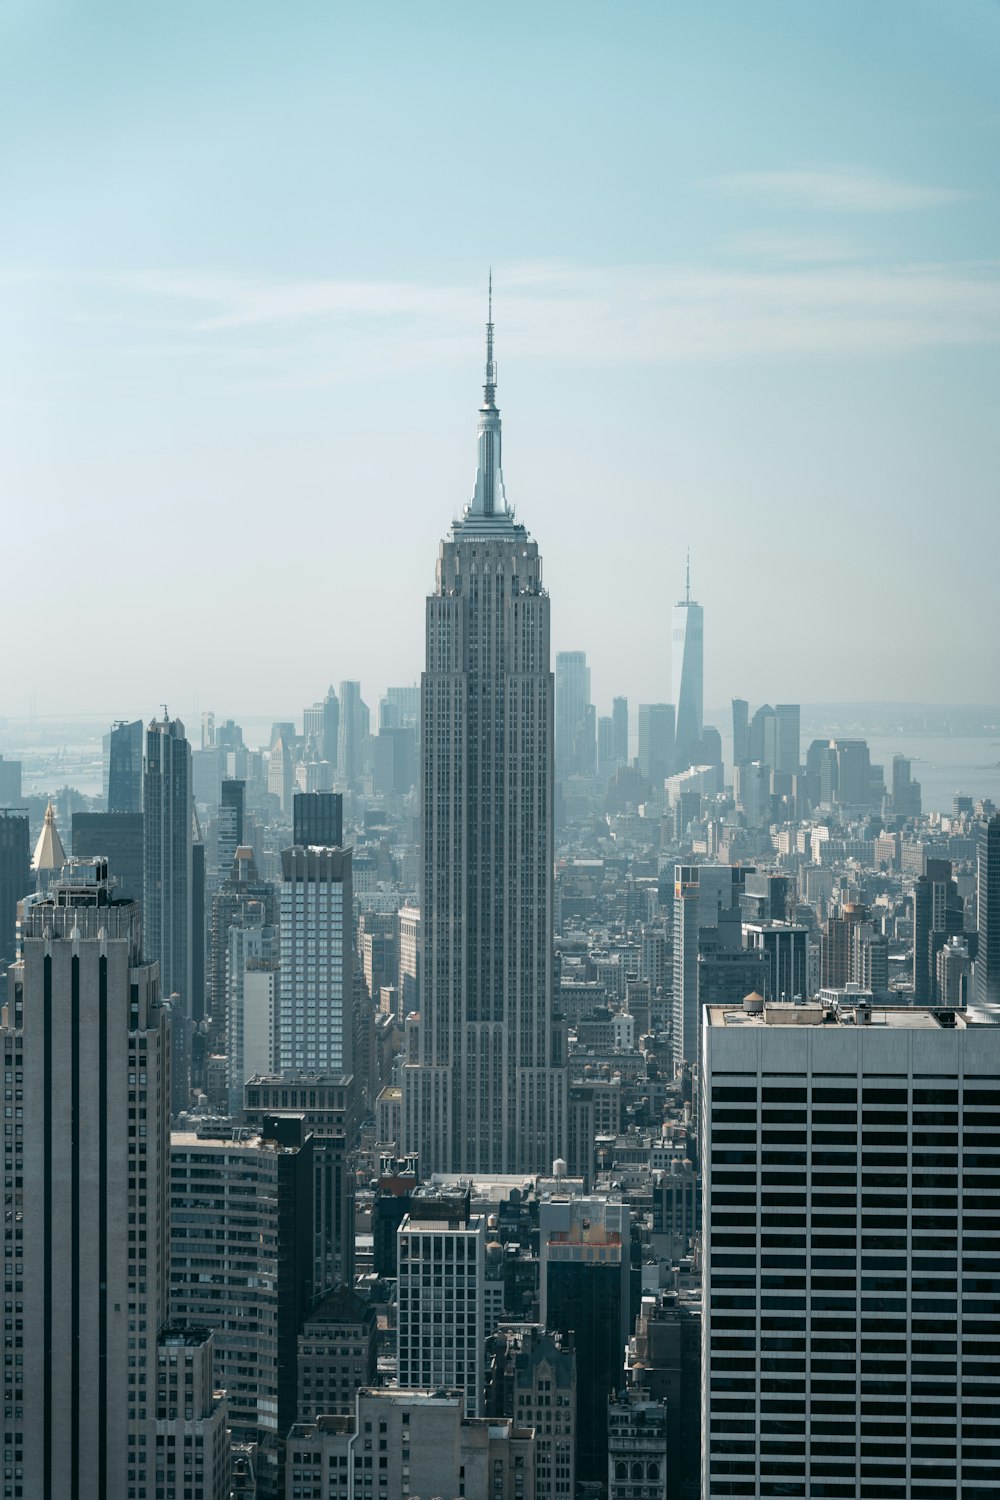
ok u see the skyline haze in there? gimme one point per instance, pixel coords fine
(746, 296)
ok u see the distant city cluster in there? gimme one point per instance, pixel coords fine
(487, 1097)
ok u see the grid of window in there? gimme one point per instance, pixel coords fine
(852, 1265)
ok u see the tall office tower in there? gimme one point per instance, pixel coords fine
(702, 894)
(232, 817)
(281, 773)
(906, 799)
(10, 782)
(118, 838)
(850, 1245)
(168, 907)
(954, 973)
(987, 973)
(241, 1264)
(853, 772)
(16, 879)
(331, 725)
(689, 672)
(88, 1046)
(441, 1266)
(763, 735)
(785, 947)
(328, 1107)
(727, 971)
(788, 738)
(619, 715)
(870, 961)
(584, 1290)
(377, 950)
(606, 757)
(400, 708)
(741, 731)
(252, 987)
(315, 1005)
(765, 898)
(487, 1091)
(312, 731)
(318, 818)
(656, 742)
(125, 787)
(394, 761)
(243, 898)
(408, 978)
(167, 857)
(573, 715)
(837, 945)
(199, 886)
(938, 914)
(354, 727)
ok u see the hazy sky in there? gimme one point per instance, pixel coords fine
(747, 294)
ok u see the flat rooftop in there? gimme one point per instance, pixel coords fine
(897, 1017)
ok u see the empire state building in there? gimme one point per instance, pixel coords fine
(484, 1083)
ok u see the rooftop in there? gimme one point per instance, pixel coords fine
(754, 1012)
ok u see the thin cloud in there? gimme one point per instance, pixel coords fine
(839, 191)
(635, 314)
(789, 249)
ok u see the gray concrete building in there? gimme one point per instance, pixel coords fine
(87, 1059)
(404, 1442)
(487, 1092)
(337, 1355)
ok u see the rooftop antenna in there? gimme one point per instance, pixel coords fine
(687, 585)
(489, 390)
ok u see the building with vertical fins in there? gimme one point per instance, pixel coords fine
(485, 1087)
(87, 1040)
(689, 673)
(169, 883)
(987, 976)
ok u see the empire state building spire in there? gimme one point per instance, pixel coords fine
(489, 498)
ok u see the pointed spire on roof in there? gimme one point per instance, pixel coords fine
(489, 498)
(49, 851)
(490, 387)
(687, 582)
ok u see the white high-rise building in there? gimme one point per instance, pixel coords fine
(688, 665)
(851, 1237)
(315, 1017)
(441, 1261)
(485, 1087)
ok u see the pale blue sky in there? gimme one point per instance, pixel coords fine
(747, 292)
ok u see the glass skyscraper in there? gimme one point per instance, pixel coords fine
(689, 672)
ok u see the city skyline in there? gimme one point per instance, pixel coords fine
(553, 1051)
(777, 322)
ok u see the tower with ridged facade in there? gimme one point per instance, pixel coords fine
(485, 1082)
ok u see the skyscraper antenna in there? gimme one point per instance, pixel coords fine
(687, 584)
(489, 390)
